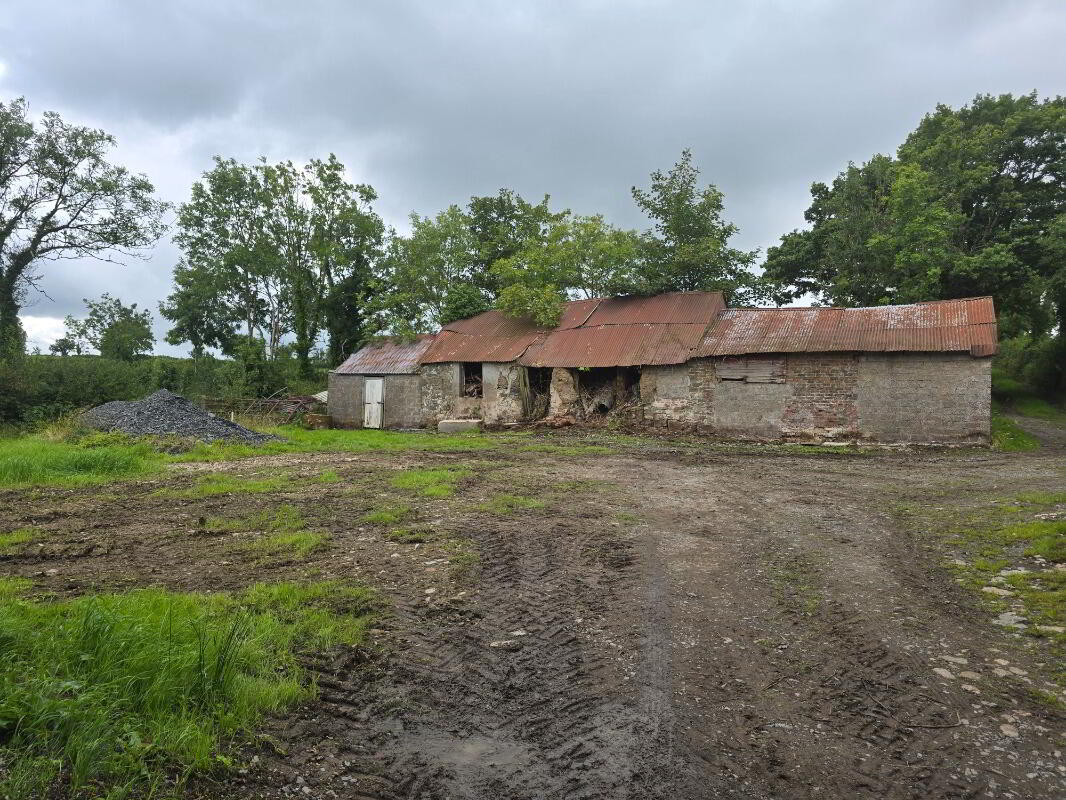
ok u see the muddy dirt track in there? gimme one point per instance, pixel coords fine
(672, 624)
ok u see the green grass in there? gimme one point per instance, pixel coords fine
(1029, 406)
(440, 482)
(329, 476)
(566, 449)
(12, 587)
(509, 503)
(216, 483)
(12, 541)
(287, 533)
(387, 515)
(1008, 437)
(35, 461)
(299, 440)
(120, 694)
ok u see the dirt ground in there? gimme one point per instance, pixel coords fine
(675, 621)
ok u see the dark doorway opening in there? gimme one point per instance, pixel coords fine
(536, 392)
(470, 379)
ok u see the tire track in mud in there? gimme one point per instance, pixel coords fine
(526, 688)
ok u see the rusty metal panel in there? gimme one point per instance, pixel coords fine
(453, 346)
(576, 313)
(696, 308)
(387, 357)
(942, 326)
(616, 346)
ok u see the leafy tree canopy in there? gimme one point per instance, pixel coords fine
(972, 204)
(61, 198)
(116, 330)
(688, 247)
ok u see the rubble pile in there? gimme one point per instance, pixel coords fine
(167, 414)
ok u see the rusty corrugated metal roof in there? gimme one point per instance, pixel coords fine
(387, 357)
(967, 325)
(616, 345)
(619, 331)
(695, 308)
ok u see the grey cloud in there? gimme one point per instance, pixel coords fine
(434, 102)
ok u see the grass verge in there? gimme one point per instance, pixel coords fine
(1008, 437)
(35, 461)
(115, 695)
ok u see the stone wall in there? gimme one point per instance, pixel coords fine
(563, 399)
(440, 392)
(501, 386)
(904, 397)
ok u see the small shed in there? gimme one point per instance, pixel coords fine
(380, 386)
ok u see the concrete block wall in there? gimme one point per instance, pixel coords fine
(924, 397)
(403, 401)
(345, 403)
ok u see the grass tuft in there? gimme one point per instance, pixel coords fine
(11, 542)
(216, 483)
(439, 482)
(387, 515)
(122, 692)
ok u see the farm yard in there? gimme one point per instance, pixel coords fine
(540, 615)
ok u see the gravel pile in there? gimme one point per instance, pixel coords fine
(167, 414)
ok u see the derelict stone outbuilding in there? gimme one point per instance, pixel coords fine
(916, 373)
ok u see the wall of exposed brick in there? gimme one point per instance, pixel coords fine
(821, 404)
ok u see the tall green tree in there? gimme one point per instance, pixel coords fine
(688, 246)
(222, 232)
(972, 204)
(277, 247)
(61, 198)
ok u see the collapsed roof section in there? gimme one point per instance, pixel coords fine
(675, 327)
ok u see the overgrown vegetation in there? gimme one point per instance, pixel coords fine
(12, 541)
(120, 694)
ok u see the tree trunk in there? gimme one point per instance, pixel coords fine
(12, 337)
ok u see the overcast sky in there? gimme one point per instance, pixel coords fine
(432, 102)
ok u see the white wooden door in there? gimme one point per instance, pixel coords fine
(373, 402)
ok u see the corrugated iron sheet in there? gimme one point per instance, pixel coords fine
(616, 345)
(388, 357)
(453, 346)
(943, 326)
(695, 308)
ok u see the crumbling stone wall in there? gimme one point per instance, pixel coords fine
(501, 387)
(563, 400)
(882, 397)
(440, 392)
